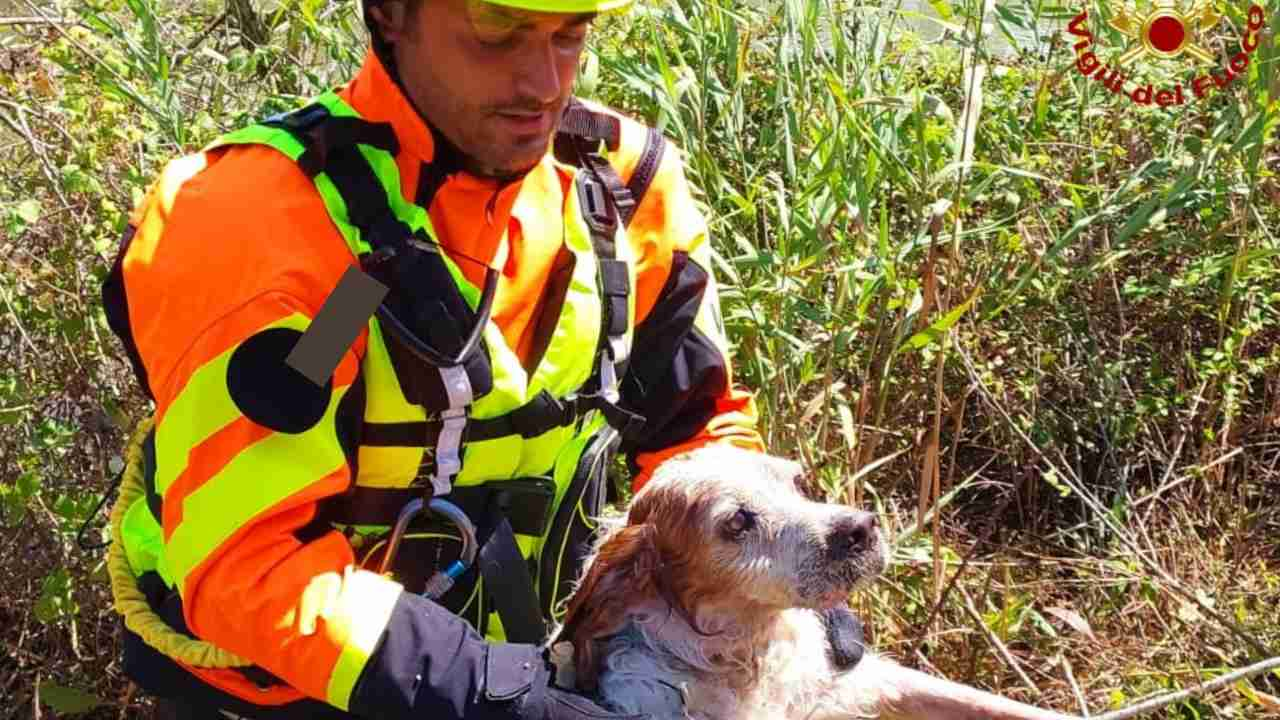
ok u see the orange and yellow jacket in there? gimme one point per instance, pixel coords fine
(236, 239)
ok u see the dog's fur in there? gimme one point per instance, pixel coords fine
(702, 604)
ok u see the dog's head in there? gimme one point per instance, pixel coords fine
(720, 533)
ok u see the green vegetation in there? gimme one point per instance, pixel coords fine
(935, 263)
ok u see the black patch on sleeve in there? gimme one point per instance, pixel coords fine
(845, 641)
(268, 391)
(676, 373)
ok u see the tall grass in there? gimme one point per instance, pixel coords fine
(986, 277)
(1032, 324)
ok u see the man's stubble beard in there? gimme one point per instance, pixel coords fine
(476, 166)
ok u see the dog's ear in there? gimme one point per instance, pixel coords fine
(623, 572)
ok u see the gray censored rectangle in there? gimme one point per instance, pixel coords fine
(336, 326)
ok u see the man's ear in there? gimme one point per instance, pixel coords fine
(391, 18)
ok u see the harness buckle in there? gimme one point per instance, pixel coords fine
(448, 458)
(608, 380)
(597, 209)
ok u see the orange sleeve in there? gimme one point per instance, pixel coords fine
(222, 279)
(681, 376)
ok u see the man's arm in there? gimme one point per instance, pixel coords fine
(681, 376)
(218, 291)
(214, 290)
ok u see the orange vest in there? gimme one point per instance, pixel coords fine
(232, 240)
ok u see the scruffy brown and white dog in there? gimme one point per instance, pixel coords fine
(706, 604)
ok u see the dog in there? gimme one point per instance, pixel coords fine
(708, 602)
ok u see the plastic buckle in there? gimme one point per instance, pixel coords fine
(596, 207)
(608, 380)
(448, 461)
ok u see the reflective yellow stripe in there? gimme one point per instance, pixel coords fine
(262, 475)
(202, 408)
(369, 599)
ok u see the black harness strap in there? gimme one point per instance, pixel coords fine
(581, 123)
(508, 581)
(540, 415)
(604, 198)
(320, 132)
(526, 502)
(530, 420)
(646, 169)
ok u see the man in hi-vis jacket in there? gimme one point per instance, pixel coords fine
(535, 293)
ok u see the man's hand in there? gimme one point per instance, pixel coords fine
(432, 665)
(525, 674)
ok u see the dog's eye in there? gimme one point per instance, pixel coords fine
(740, 523)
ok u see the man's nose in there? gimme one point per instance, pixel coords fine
(538, 76)
(851, 533)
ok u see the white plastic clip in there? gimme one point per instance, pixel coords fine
(453, 422)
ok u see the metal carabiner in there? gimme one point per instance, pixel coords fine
(439, 583)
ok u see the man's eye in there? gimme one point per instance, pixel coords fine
(496, 39)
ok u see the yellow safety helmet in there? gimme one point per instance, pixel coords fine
(565, 6)
(556, 6)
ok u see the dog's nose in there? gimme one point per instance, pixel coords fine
(852, 533)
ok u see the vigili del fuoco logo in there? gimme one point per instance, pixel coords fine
(1164, 32)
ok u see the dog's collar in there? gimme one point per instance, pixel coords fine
(845, 641)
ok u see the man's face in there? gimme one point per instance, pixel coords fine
(493, 79)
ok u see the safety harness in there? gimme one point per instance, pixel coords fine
(455, 371)
(331, 148)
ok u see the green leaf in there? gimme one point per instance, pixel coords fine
(68, 700)
(29, 211)
(939, 328)
(56, 601)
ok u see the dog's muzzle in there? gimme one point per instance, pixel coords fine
(853, 534)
